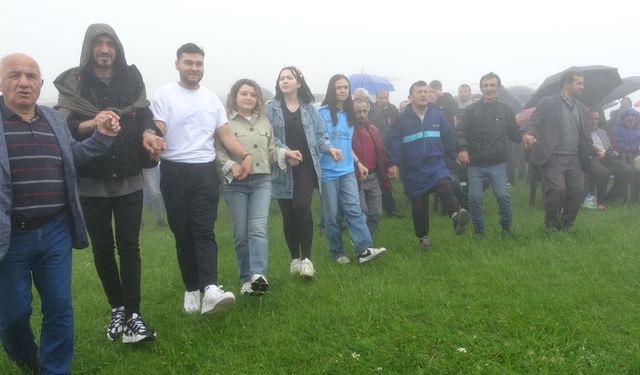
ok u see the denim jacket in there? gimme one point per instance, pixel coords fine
(282, 180)
(73, 153)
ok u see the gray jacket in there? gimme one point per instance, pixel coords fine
(282, 180)
(71, 151)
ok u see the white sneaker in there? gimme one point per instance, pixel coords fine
(192, 302)
(216, 300)
(370, 253)
(306, 268)
(342, 259)
(295, 266)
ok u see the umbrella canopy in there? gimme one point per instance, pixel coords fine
(599, 81)
(629, 85)
(369, 82)
(506, 96)
(522, 93)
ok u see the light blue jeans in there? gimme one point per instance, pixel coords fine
(341, 196)
(496, 176)
(249, 201)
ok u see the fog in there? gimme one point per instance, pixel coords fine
(455, 42)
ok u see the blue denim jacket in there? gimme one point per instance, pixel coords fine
(72, 152)
(282, 180)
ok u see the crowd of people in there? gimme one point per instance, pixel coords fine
(82, 169)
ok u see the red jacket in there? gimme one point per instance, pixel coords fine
(366, 141)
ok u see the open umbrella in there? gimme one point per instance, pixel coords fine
(369, 82)
(599, 81)
(507, 97)
(629, 85)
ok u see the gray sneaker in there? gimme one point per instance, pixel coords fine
(342, 259)
(425, 244)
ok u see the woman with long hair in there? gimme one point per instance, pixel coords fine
(340, 196)
(298, 127)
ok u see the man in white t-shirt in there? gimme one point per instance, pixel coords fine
(189, 116)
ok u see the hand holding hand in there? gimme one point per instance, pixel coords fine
(108, 123)
(529, 141)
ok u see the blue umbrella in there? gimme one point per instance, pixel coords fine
(369, 82)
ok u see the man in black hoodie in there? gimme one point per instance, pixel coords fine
(104, 88)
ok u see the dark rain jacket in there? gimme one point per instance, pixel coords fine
(483, 132)
(82, 95)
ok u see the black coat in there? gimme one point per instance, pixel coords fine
(484, 130)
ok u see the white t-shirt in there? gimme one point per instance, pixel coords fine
(192, 117)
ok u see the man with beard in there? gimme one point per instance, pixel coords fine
(104, 88)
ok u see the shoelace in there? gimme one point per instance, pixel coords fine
(117, 319)
(137, 325)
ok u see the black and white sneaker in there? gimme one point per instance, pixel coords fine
(370, 253)
(136, 331)
(259, 283)
(116, 325)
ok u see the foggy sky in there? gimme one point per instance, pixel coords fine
(455, 42)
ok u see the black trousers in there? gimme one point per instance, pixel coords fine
(599, 176)
(297, 219)
(120, 284)
(191, 195)
(420, 205)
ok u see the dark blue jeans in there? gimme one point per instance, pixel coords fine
(44, 255)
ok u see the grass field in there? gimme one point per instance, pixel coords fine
(538, 304)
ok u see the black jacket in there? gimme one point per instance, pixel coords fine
(126, 157)
(483, 132)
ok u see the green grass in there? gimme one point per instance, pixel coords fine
(539, 304)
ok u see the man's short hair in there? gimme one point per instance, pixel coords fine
(362, 91)
(189, 48)
(360, 100)
(465, 86)
(420, 83)
(569, 76)
(491, 75)
(435, 84)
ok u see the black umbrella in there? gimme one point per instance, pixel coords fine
(629, 85)
(599, 81)
(506, 96)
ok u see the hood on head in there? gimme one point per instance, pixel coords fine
(628, 112)
(93, 31)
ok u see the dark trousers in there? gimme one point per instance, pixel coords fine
(297, 219)
(563, 188)
(388, 202)
(191, 194)
(122, 286)
(599, 176)
(420, 205)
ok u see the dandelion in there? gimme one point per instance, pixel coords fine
(462, 350)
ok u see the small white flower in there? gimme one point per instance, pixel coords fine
(379, 369)
(355, 355)
(462, 350)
